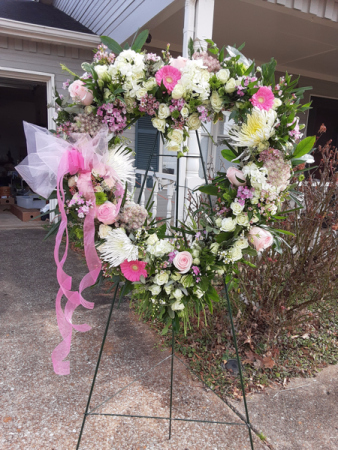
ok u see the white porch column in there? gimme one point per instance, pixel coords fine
(204, 18)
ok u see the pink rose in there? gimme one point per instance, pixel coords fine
(79, 92)
(179, 63)
(260, 239)
(84, 184)
(183, 261)
(107, 213)
(232, 173)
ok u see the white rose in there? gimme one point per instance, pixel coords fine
(177, 306)
(276, 103)
(176, 136)
(243, 220)
(196, 253)
(235, 254)
(152, 239)
(178, 91)
(236, 207)
(196, 261)
(161, 248)
(255, 218)
(141, 93)
(214, 248)
(173, 146)
(223, 75)
(228, 224)
(161, 278)
(241, 243)
(216, 101)
(185, 111)
(72, 181)
(199, 293)
(163, 111)
(168, 289)
(101, 71)
(254, 200)
(193, 122)
(150, 84)
(218, 222)
(154, 289)
(178, 294)
(159, 124)
(104, 230)
(230, 86)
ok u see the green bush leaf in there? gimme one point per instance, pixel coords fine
(114, 46)
(304, 147)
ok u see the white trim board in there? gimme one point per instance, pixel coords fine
(47, 34)
(48, 78)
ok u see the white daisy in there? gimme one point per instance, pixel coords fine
(118, 248)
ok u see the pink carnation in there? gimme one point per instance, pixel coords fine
(107, 213)
(263, 99)
(233, 174)
(260, 239)
(132, 270)
(169, 76)
(80, 93)
(183, 261)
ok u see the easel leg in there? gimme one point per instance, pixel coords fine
(97, 367)
(171, 377)
(239, 365)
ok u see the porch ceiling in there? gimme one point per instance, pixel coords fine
(300, 42)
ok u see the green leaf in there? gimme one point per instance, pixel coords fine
(128, 287)
(304, 147)
(114, 46)
(284, 232)
(140, 41)
(229, 155)
(212, 294)
(249, 251)
(210, 190)
(223, 237)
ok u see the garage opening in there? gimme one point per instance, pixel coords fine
(20, 100)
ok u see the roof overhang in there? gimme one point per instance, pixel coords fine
(41, 33)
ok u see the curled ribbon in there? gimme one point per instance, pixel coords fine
(72, 162)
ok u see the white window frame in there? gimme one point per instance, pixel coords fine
(48, 78)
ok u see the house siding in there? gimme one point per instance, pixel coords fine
(42, 57)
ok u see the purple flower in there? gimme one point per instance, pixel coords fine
(172, 256)
(196, 270)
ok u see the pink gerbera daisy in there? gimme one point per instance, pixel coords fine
(133, 270)
(169, 75)
(263, 99)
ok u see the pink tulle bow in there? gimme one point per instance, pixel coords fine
(72, 162)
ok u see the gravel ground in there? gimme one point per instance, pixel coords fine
(41, 410)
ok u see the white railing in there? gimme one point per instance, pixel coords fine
(163, 195)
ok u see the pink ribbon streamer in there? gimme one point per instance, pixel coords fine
(72, 162)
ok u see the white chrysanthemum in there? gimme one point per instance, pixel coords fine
(258, 128)
(118, 248)
(129, 62)
(121, 161)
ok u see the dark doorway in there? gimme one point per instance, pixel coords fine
(324, 111)
(20, 100)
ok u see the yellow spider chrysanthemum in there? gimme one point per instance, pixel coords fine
(258, 128)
